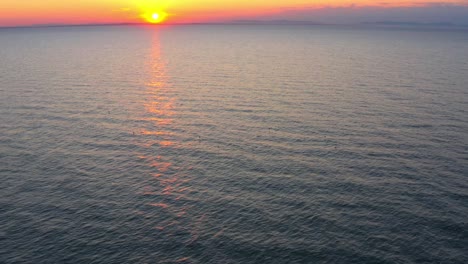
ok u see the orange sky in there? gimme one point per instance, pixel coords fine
(30, 12)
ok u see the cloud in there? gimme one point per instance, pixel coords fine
(123, 10)
(421, 13)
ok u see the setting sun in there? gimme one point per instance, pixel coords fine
(155, 17)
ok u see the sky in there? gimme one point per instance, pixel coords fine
(50, 12)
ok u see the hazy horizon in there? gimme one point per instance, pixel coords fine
(279, 22)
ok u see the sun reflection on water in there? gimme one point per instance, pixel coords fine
(165, 196)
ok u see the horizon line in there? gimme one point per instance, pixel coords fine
(251, 22)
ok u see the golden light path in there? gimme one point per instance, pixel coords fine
(166, 194)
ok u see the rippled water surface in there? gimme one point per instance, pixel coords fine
(233, 144)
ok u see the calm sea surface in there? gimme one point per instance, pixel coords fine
(233, 144)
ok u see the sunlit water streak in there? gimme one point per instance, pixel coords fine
(233, 144)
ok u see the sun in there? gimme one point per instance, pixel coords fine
(154, 17)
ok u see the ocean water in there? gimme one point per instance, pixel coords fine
(233, 144)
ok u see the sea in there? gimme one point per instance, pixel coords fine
(234, 144)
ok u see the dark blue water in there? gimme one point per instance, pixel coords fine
(233, 144)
